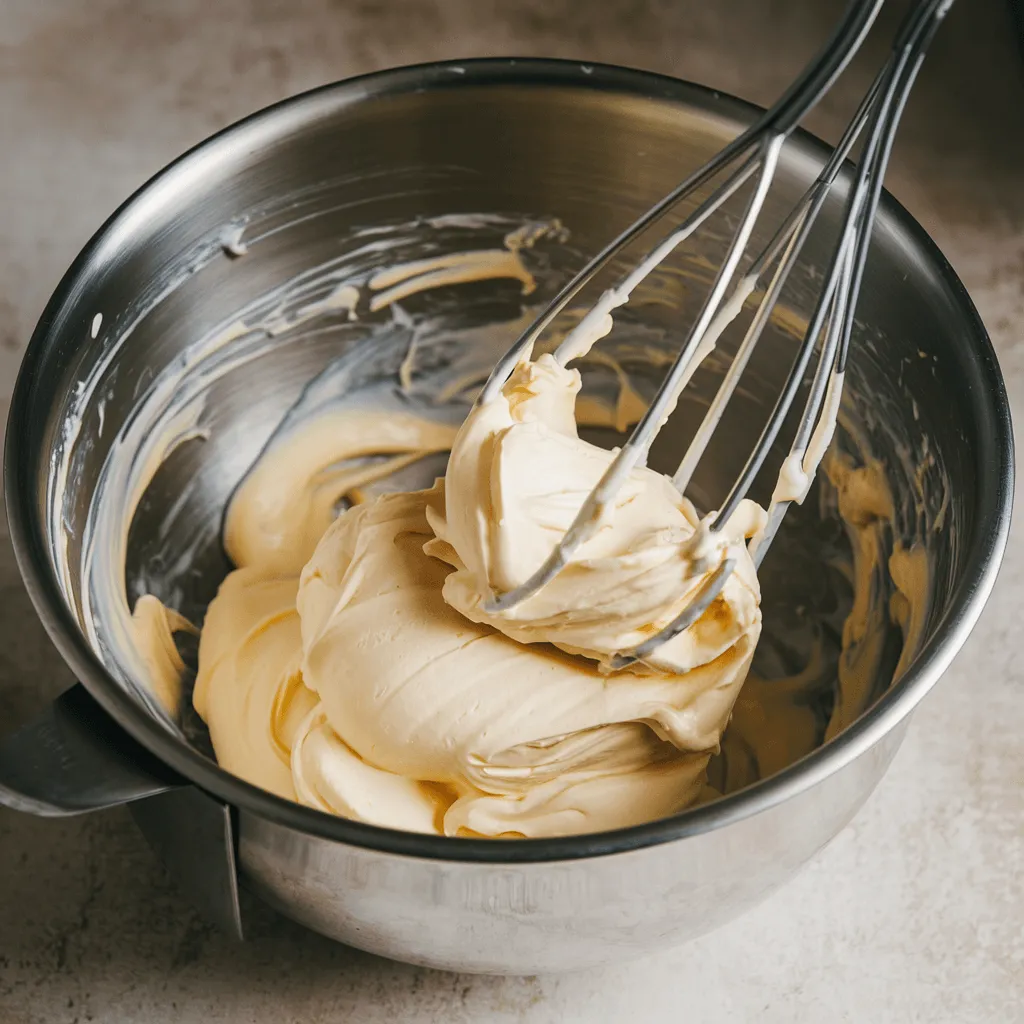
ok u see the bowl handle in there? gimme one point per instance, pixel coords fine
(75, 758)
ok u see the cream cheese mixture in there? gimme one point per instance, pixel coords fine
(349, 662)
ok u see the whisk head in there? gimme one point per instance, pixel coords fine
(752, 156)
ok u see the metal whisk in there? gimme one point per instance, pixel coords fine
(753, 154)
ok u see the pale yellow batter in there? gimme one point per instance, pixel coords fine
(349, 663)
(362, 686)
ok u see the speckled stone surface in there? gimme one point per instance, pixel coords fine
(916, 911)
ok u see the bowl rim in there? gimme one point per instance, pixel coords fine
(993, 503)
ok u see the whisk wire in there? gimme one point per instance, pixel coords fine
(596, 322)
(801, 96)
(789, 239)
(889, 94)
(753, 154)
(630, 455)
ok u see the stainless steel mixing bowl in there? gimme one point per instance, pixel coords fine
(593, 146)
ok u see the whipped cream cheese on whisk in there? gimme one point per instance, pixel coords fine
(348, 662)
(340, 664)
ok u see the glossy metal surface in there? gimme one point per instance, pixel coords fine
(193, 834)
(74, 759)
(555, 916)
(593, 146)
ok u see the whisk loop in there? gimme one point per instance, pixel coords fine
(753, 155)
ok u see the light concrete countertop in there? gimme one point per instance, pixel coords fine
(916, 911)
